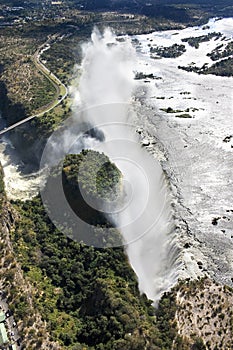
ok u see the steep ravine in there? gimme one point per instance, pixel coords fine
(28, 140)
(189, 304)
(31, 327)
(21, 148)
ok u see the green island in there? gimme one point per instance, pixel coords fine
(168, 52)
(221, 68)
(94, 173)
(179, 113)
(140, 76)
(222, 57)
(219, 52)
(91, 183)
(196, 41)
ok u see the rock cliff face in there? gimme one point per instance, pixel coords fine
(11, 111)
(26, 140)
(205, 314)
(28, 144)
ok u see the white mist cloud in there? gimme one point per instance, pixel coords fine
(107, 75)
(104, 92)
(106, 88)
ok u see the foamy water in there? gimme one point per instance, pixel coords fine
(17, 185)
(199, 160)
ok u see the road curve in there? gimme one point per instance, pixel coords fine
(53, 79)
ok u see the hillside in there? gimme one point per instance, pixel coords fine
(83, 297)
(76, 294)
(205, 311)
(88, 297)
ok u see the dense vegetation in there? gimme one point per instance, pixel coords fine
(140, 75)
(222, 68)
(2, 187)
(24, 84)
(219, 52)
(182, 11)
(11, 111)
(168, 52)
(94, 173)
(88, 296)
(196, 41)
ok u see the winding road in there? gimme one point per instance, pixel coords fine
(60, 87)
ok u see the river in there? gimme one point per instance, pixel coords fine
(198, 150)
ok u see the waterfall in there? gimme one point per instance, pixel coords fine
(103, 102)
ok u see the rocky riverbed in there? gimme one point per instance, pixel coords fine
(189, 119)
